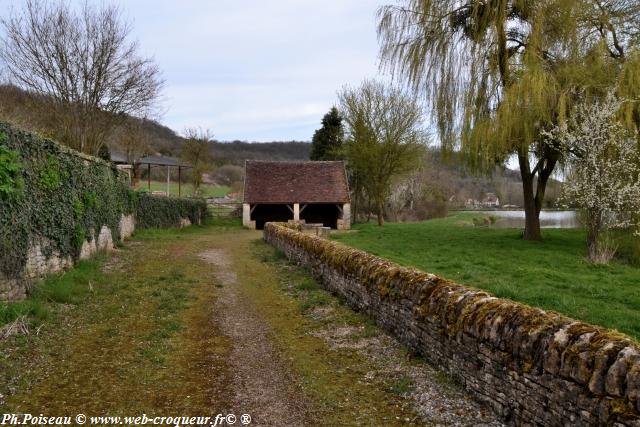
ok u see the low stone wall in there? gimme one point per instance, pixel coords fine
(531, 366)
(44, 259)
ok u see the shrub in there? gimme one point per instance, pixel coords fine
(162, 212)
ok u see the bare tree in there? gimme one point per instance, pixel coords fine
(385, 138)
(83, 63)
(130, 137)
(197, 152)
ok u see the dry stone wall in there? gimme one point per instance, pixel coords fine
(531, 366)
(44, 259)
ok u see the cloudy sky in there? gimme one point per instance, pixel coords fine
(256, 70)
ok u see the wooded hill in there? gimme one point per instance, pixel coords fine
(30, 112)
(449, 177)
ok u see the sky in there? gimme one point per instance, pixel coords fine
(255, 70)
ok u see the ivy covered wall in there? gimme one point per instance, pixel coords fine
(52, 194)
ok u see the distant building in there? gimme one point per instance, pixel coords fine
(313, 192)
(491, 201)
(471, 203)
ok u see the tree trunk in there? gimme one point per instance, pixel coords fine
(354, 208)
(380, 210)
(531, 214)
(533, 198)
(594, 225)
(592, 244)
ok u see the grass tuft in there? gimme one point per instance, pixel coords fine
(402, 386)
(69, 287)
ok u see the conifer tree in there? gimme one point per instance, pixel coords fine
(327, 141)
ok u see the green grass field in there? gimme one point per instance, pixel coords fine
(187, 189)
(552, 274)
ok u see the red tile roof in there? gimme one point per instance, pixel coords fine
(295, 182)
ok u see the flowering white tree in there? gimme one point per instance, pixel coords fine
(604, 168)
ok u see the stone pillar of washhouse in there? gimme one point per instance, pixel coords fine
(296, 211)
(246, 216)
(344, 223)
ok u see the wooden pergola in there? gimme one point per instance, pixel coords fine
(152, 161)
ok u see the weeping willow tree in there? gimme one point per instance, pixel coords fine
(497, 73)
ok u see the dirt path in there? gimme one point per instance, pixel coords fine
(262, 384)
(211, 320)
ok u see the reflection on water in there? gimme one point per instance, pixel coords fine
(548, 219)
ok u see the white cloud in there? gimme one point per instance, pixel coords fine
(255, 69)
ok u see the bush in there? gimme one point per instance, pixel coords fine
(228, 174)
(163, 212)
(431, 204)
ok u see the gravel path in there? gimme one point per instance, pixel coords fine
(436, 398)
(263, 386)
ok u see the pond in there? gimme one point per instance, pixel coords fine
(548, 219)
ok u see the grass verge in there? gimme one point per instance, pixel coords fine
(128, 333)
(335, 379)
(206, 190)
(63, 288)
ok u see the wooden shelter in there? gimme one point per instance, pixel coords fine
(311, 192)
(149, 162)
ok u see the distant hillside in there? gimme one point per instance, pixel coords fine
(31, 112)
(458, 183)
(237, 152)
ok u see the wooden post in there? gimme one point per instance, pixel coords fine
(149, 177)
(179, 181)
(168, 179)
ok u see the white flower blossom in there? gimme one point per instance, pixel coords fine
(604, 167)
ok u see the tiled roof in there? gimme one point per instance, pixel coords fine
(159, 160)
(295, 182)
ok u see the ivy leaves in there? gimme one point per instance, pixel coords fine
(10, 169)
(52, 195)
(50, 176)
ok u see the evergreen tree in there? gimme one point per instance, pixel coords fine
(327, 140)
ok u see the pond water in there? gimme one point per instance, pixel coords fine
(548, 219)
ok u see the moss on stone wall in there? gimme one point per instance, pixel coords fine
(600, 366)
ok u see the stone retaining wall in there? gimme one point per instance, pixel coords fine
(43, 258)
(531, 366)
